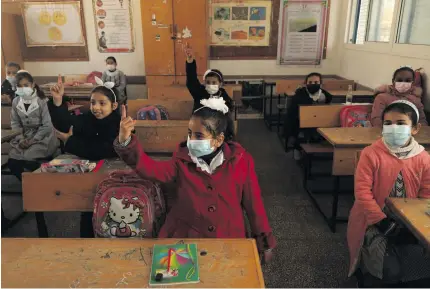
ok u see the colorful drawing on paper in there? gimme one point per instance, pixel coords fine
(222, 34)
(303, 25)
(174, 264)
(239, 35)
(239, 13)
(222, 13)
(257, 32)
(258, 13)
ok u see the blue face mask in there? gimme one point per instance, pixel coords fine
(396, 135)
(199, 148)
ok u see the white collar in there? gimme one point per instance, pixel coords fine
(413, 149)
(34, 104)
(112, 73)
(215, 163)
(315, 96)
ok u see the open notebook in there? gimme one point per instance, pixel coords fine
(174, 264)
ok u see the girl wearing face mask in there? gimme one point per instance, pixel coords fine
(311, 93)
(8, 86)
(215, 177)
(395, 166)
(402, 88)
(30, 116)
(212, 87)
(112, 74)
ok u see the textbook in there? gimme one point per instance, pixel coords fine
(174, 264)
(69, 166)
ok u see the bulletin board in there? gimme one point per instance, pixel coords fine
(64, 52)
(269, 51)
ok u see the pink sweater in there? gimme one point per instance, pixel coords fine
(375, 176)
(387, 96)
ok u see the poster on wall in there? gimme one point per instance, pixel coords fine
(53, 23)
(302, 28)
(114, 25)
(240, 22)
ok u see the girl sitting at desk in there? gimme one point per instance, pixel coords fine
(381, 250)
(113, 74)
(215, 177)
(311, 93)
(90, 135)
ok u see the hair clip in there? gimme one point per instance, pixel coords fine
(109, 85)
(214, 103)
(406, 66)
(23, 71)
(413, 106)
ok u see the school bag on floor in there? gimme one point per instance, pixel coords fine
(153, 112)
(127, 206)
(355, 116)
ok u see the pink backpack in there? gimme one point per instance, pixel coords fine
(355, 116)
(127, 206)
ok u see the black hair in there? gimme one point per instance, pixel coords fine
(405, 68)
(313, 74)
(13, 64)
(216, 73)
(216, 122)
(404, 109)
(111, 58)
(25, 75)
(109, 93)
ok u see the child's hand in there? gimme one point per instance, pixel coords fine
(189, 53)
(126, 125)
(57, 92)
(25, 144)
(64, 136)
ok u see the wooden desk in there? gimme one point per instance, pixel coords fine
(110, 263)
(8, 134)
(412, 213)
(346, 141)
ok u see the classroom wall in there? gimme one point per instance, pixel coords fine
(372, 64)
(130, 63)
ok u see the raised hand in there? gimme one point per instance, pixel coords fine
(57, 92)
(189, 53)
(126, 125)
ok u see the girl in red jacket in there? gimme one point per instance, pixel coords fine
(395, 166)
(215, 179)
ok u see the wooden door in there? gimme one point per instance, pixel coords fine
(157, 37)
(190, 15)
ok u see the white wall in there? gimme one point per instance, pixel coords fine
(372, 64)
(130, 63)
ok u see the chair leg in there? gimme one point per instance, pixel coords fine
(335, 204)
(41, 225)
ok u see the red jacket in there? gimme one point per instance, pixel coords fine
(208, 206)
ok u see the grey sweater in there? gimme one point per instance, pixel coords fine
(117, 77)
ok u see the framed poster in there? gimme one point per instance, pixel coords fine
(240, 22)
(114, 25)
(302, 28)
(53, 23)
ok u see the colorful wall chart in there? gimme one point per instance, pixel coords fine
(114, 25)
(53, 23)
(302, 28)
(240, 22)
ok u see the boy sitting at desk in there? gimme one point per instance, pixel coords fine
(8, 87)
(309, 94)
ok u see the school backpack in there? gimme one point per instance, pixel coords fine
(355, 116)
(127, 206)
(418, 82)
(153, 112)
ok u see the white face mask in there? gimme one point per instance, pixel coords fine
(25, 92)
(403, 87)
(111, 67)
(212, 88)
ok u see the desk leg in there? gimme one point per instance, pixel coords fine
(334, 205)
(41, 225)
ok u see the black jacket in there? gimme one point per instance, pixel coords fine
(92, 138)
(6, 88)
(301, 97)
(198, 90)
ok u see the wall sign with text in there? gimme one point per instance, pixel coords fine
(114, 25)
(301, 32)
(240, 22)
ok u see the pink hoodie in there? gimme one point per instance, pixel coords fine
(375, 176)
(387, 95)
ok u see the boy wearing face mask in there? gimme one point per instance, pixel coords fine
(382, 251)
(402, 88)
(213, 83)
(112, 74)
(30, 116)
(8, 86)
(311, 93)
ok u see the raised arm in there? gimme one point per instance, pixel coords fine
(193, 84)
(131, 152)
(60, 116)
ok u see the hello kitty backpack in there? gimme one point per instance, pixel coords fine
(355, 116)
(127, 206)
